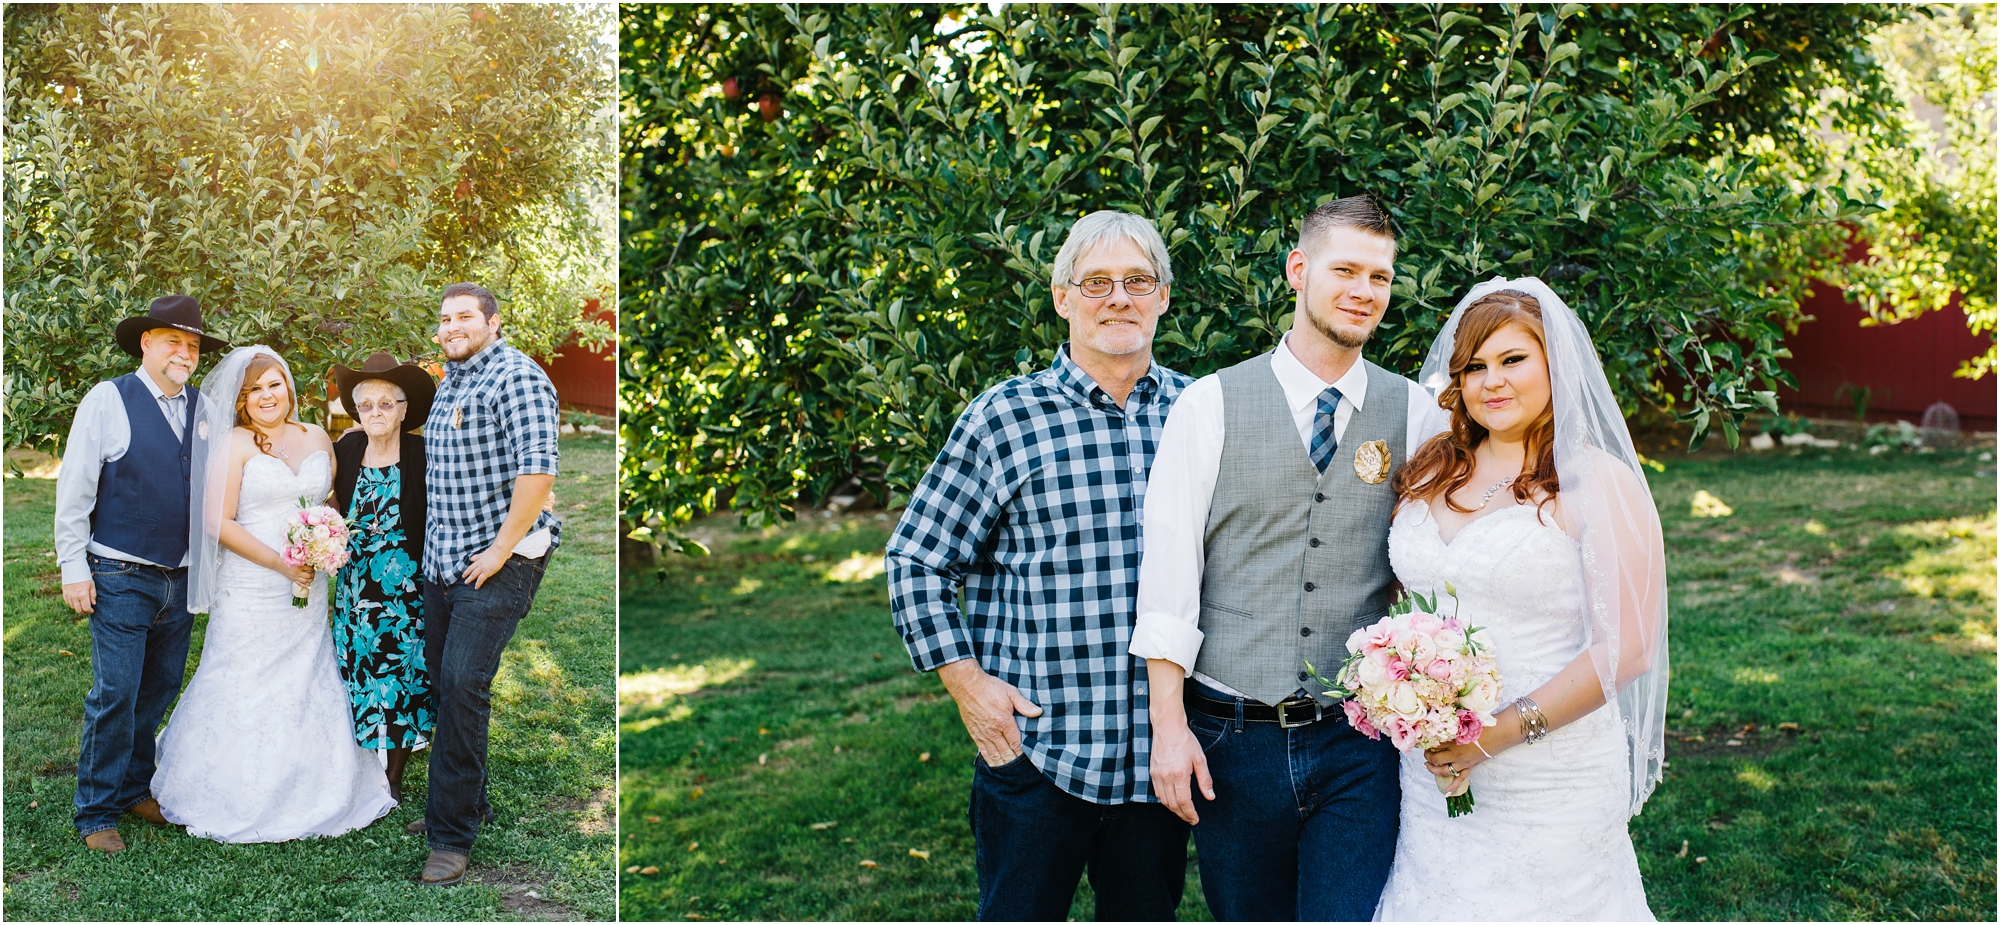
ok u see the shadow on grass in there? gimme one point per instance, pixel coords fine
(553, 755)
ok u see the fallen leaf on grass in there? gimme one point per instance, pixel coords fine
(1701, 860)
(694, 793)
(633, 869)
(763, 731)
(653, 819)
(648, 871)
(66, 652)
(823, 826)
(693, 845)
(694, 917)
(764, 758)
(871, 865)
(924, 757)
(1684, 849)
(1788, 727)
(920, 855)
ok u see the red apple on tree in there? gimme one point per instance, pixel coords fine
(769, 107)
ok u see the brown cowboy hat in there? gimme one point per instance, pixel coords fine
(182, 313)
(416, 384)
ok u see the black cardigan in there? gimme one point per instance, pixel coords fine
(348, 452)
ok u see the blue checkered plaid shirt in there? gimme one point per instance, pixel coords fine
(1033, 506)
(495, 418)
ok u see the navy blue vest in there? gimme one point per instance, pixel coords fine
(142, 496)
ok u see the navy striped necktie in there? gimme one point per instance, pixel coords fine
(1323, 442)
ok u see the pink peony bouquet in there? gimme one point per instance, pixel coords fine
(1423, 678)
(315, 536)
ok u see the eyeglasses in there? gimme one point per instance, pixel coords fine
(1098, 287)
(385, 405)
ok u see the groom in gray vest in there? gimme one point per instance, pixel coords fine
(121, 536)
(1267, 526)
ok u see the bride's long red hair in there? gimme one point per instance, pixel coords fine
(1444, 463)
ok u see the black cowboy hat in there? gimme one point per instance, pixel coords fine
(182, 313)
(415, 382)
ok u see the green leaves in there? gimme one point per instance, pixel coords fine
(909, 253)
(314, 176)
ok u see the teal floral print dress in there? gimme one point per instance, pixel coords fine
(378, 622)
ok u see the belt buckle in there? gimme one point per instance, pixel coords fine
(1284, 723)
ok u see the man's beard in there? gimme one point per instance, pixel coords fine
(177, 373)
(1347, 339)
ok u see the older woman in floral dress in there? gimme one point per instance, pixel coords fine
(378, 617)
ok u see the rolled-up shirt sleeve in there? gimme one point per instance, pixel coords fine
(949, 517)
(1178, 493)
(535, 421)
(98, 431)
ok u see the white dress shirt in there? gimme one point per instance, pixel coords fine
(100, 434)
(1183, 483)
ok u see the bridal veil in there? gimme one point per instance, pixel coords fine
(209, 466)
(1609, 511)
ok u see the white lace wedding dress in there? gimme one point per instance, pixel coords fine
(1547, 837)
(261, 747)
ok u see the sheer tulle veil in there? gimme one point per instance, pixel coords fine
(209, 465)
(1609, 510)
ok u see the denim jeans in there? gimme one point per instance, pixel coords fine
(465, 630)
(1032, 842)
(1303, 825)
(138, 659)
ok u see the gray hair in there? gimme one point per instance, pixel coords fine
(1105, 225)
(400, 395)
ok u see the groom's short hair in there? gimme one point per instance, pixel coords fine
(1349, 212)
(487, 303)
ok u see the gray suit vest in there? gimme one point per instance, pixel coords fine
(1296, 561)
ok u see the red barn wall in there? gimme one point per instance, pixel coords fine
(1908, 365)
(586, 380)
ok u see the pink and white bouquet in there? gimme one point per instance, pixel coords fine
(1425, 679)
(315, 536)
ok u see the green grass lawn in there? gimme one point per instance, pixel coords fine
(553, 763)
(1832, 713)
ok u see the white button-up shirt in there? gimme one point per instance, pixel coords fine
(1183, 484)
(100, 434)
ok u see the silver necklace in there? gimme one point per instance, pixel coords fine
(1503, 483)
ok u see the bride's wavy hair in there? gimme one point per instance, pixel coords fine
(259, 365)
(1444, 463)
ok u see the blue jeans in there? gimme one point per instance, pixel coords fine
(465, 630)
(1033, 841)
(138, 659)
(1303, 825)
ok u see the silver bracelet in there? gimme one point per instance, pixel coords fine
(1534, 726)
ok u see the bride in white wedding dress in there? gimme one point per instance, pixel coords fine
(1533, 508)
(259, 748)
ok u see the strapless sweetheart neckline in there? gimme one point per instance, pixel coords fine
(288, 466)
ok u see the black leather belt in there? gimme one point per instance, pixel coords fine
(1289, 714)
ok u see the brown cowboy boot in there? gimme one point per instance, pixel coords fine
(149, 810)
(106, 841)
(444, 868)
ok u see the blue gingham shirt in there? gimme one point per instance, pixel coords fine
(495, 419)
(1033, 506)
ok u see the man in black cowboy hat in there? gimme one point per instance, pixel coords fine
(121, 536)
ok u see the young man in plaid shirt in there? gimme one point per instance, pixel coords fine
(1033, 508)
(490, 454)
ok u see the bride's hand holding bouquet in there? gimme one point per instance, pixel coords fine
(1427, 680)
(315, 538)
